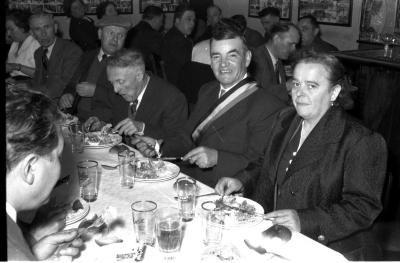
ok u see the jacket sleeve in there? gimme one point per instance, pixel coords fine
(101, 104)
(360, 200)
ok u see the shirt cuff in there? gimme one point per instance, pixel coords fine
(141, 133)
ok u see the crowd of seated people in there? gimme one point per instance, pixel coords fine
(226, 105)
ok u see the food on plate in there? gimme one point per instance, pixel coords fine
(77, 205)
(149, 168)
(236, 212)
(227, 252)
(76, 209)
(98, 138)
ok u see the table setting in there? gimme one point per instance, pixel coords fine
(155, 213)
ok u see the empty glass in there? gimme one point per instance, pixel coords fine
(77, 137)
(127, 168)
(212, 223)
(88, 180)
(186, 191)
(143, 221)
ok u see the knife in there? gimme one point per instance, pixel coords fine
(171, 158)
(244, 211)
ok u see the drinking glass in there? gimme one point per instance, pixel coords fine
(168, 231)
(77, 137)
(212, 223)
(88, 180)
(143, 221)
(186, 191)
(127, 168)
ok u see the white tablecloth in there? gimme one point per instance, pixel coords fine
(299, 249)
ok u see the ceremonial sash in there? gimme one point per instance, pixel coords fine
(224, 104)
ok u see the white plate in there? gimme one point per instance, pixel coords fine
(231, 221)
(168, 172)
(73, 217)
(116, 138)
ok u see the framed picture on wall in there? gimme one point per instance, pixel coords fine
(397, 21)
(168, 6)
(285, 6)
(335, 12)
(56, 6)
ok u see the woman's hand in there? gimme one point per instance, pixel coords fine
(287, 217)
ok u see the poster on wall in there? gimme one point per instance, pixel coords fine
(56, 6)
(397, 21)
(335, 12)
(168, 6)
(285, 6)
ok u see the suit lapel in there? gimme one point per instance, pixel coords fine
(269, 65)
(54, 54)
(149, 98)
(327, 131)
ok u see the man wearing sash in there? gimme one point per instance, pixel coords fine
(231, 120)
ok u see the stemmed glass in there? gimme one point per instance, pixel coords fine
(387, 39)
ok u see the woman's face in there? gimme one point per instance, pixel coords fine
(77, 9)
(312, 92)
(15, 33)
(110, 10)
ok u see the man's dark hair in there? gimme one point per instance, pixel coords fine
(313, 20)
(181, 9)
(269, 11)
(67, 6)
(151, 12)
(101, 8)
(125, 58)
(227, 28)
(241, 20)
(20, 17)
(279, 28)
(215, 6)
(31, 125)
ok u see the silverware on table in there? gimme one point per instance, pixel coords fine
(197, 196)
(110, 167)
(171, 158)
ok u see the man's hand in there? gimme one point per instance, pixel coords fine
(66, 101)
(85, 89)
(203, 157)
(228, 185)
(11, 66)
(287, 217)
(145, 145)
(48, 245)
(128, 127)
(93, 124)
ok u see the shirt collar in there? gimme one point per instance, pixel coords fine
(139, 98)
(50, 49)
(228, 88)
(273, 58)
(11, 212)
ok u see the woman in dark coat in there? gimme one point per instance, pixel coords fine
(81, 28)
(323, 172)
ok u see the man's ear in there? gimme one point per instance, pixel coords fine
(248, 57)
(99, 32)
(29, 168)
(55, 27)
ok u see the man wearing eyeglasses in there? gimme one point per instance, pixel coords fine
(79, 92)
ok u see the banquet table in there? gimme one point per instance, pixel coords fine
(300, 248)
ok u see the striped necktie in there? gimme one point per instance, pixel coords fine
(45, 60)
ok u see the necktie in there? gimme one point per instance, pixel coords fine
(104, 58)
(132, 109)
(222, 92)
(45, 60)
(277, 69)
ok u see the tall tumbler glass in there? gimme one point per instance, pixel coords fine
(212, 223)
(77, 137)
(186, 191)
(168, 231)
(143, 214)
(88, 180)
(127, 168)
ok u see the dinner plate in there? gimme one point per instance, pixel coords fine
(73, 217)
(167, 172)
(116, 139)
(231, 216)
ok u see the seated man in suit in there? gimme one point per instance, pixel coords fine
(268, 68)
(112, 32)
(56, 59)
(33, 168)
(135, 102)
(146, 35)
(177, 46)
(253, 37)
(231, 119)
(311, 37)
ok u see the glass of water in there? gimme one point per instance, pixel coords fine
(186, 191)
(127, 168)
(143, 221)
(168, 231)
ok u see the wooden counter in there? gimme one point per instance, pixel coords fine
(371, 56)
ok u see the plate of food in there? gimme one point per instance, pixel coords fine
(79, 210)
(238, 211)
(155, 170)
(101, 140)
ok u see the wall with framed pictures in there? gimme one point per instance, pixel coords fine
(168, 6)
(285, 6)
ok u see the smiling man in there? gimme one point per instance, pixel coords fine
(232, 117)
(135, 102)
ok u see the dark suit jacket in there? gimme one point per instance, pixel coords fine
(176, 50)
(145, 38)
(253, 38)
(163, 108)
(81, 74)
(264, 73)
(83, 32)
(17, 247)
(239, 135)
(334, 182)
(64, 60)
